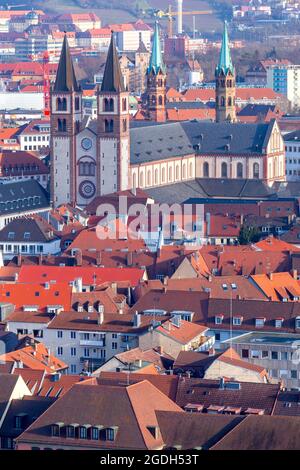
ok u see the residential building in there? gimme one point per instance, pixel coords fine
(28, 236)
(285, 79)
(278, 353)
(292, 155)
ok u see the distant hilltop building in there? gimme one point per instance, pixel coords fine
(94, 157)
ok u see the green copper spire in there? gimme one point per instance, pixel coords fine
(156, 64)
(225, 63)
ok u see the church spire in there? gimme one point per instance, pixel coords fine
(112, 78)
(156, 61)
(65, 77)
(225, 63)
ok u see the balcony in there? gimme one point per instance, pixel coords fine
(96, 343)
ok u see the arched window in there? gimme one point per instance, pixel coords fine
(61, 104)
(191, 170)
(205, 170)
(141, 179)
(134, 180)
(77, 103)
(255, 170)
(124, 104)
(156, 176)
(224, 170)
(177, 172)
(153, 99)
(170, 173)
(239, 170)
(62, 125)
(160, 100)
(124, 125)
(229, 101)
(149, 178)
(184, 171)
(222, 101)
(87, 168)
(108, 125)
(108, 105)
(163, 175)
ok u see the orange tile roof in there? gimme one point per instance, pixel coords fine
(35, 357)
(274, 244)
(189, 114)
(89, 275)
(183, 334)
(277, 286)
(34, 293)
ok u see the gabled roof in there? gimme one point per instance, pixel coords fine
(129, 409)
(65, 77)
(112, 78)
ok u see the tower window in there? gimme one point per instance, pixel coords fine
(62, 125)
(124, 104)
(61, 104)
(160, 100)
(255, 170)
(108, 105)
(77, 103)
(222, 101)
(108, 125)
(206, 170)
(124, 125)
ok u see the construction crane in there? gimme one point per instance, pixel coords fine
(170, 14)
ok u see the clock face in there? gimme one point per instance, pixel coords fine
(86, 144)
(87, 189)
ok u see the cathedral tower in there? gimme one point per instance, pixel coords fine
(66, 116)
(225, 83)
(156, 82)
(113, 155)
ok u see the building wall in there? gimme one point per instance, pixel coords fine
(292, 160)
(220, 369)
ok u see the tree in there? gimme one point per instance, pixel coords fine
(248, 234)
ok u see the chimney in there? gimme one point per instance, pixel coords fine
(19, 260)
(271, 276)
(129, 258)
(16, 277)
(295, 274)
(40, 261)
(137, 320)
(210, 278)
(78, 284)
(47, 285)
(222, 383)
(242, 219)
(100, 318)
(211, 352)
(98, 258)
(114, 287)
(160, 350)
(78, 258)
(166, 280)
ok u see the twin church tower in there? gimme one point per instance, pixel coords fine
(92, 159)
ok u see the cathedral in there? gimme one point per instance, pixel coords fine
(94, 157)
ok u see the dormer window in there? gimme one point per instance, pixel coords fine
(278, 322)
(111, 433)
(95, 432)
(154, 431)
(260, 322)
(219, 319)
(71, 430)
(56, 429)
(237, 320)
(83, 431)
